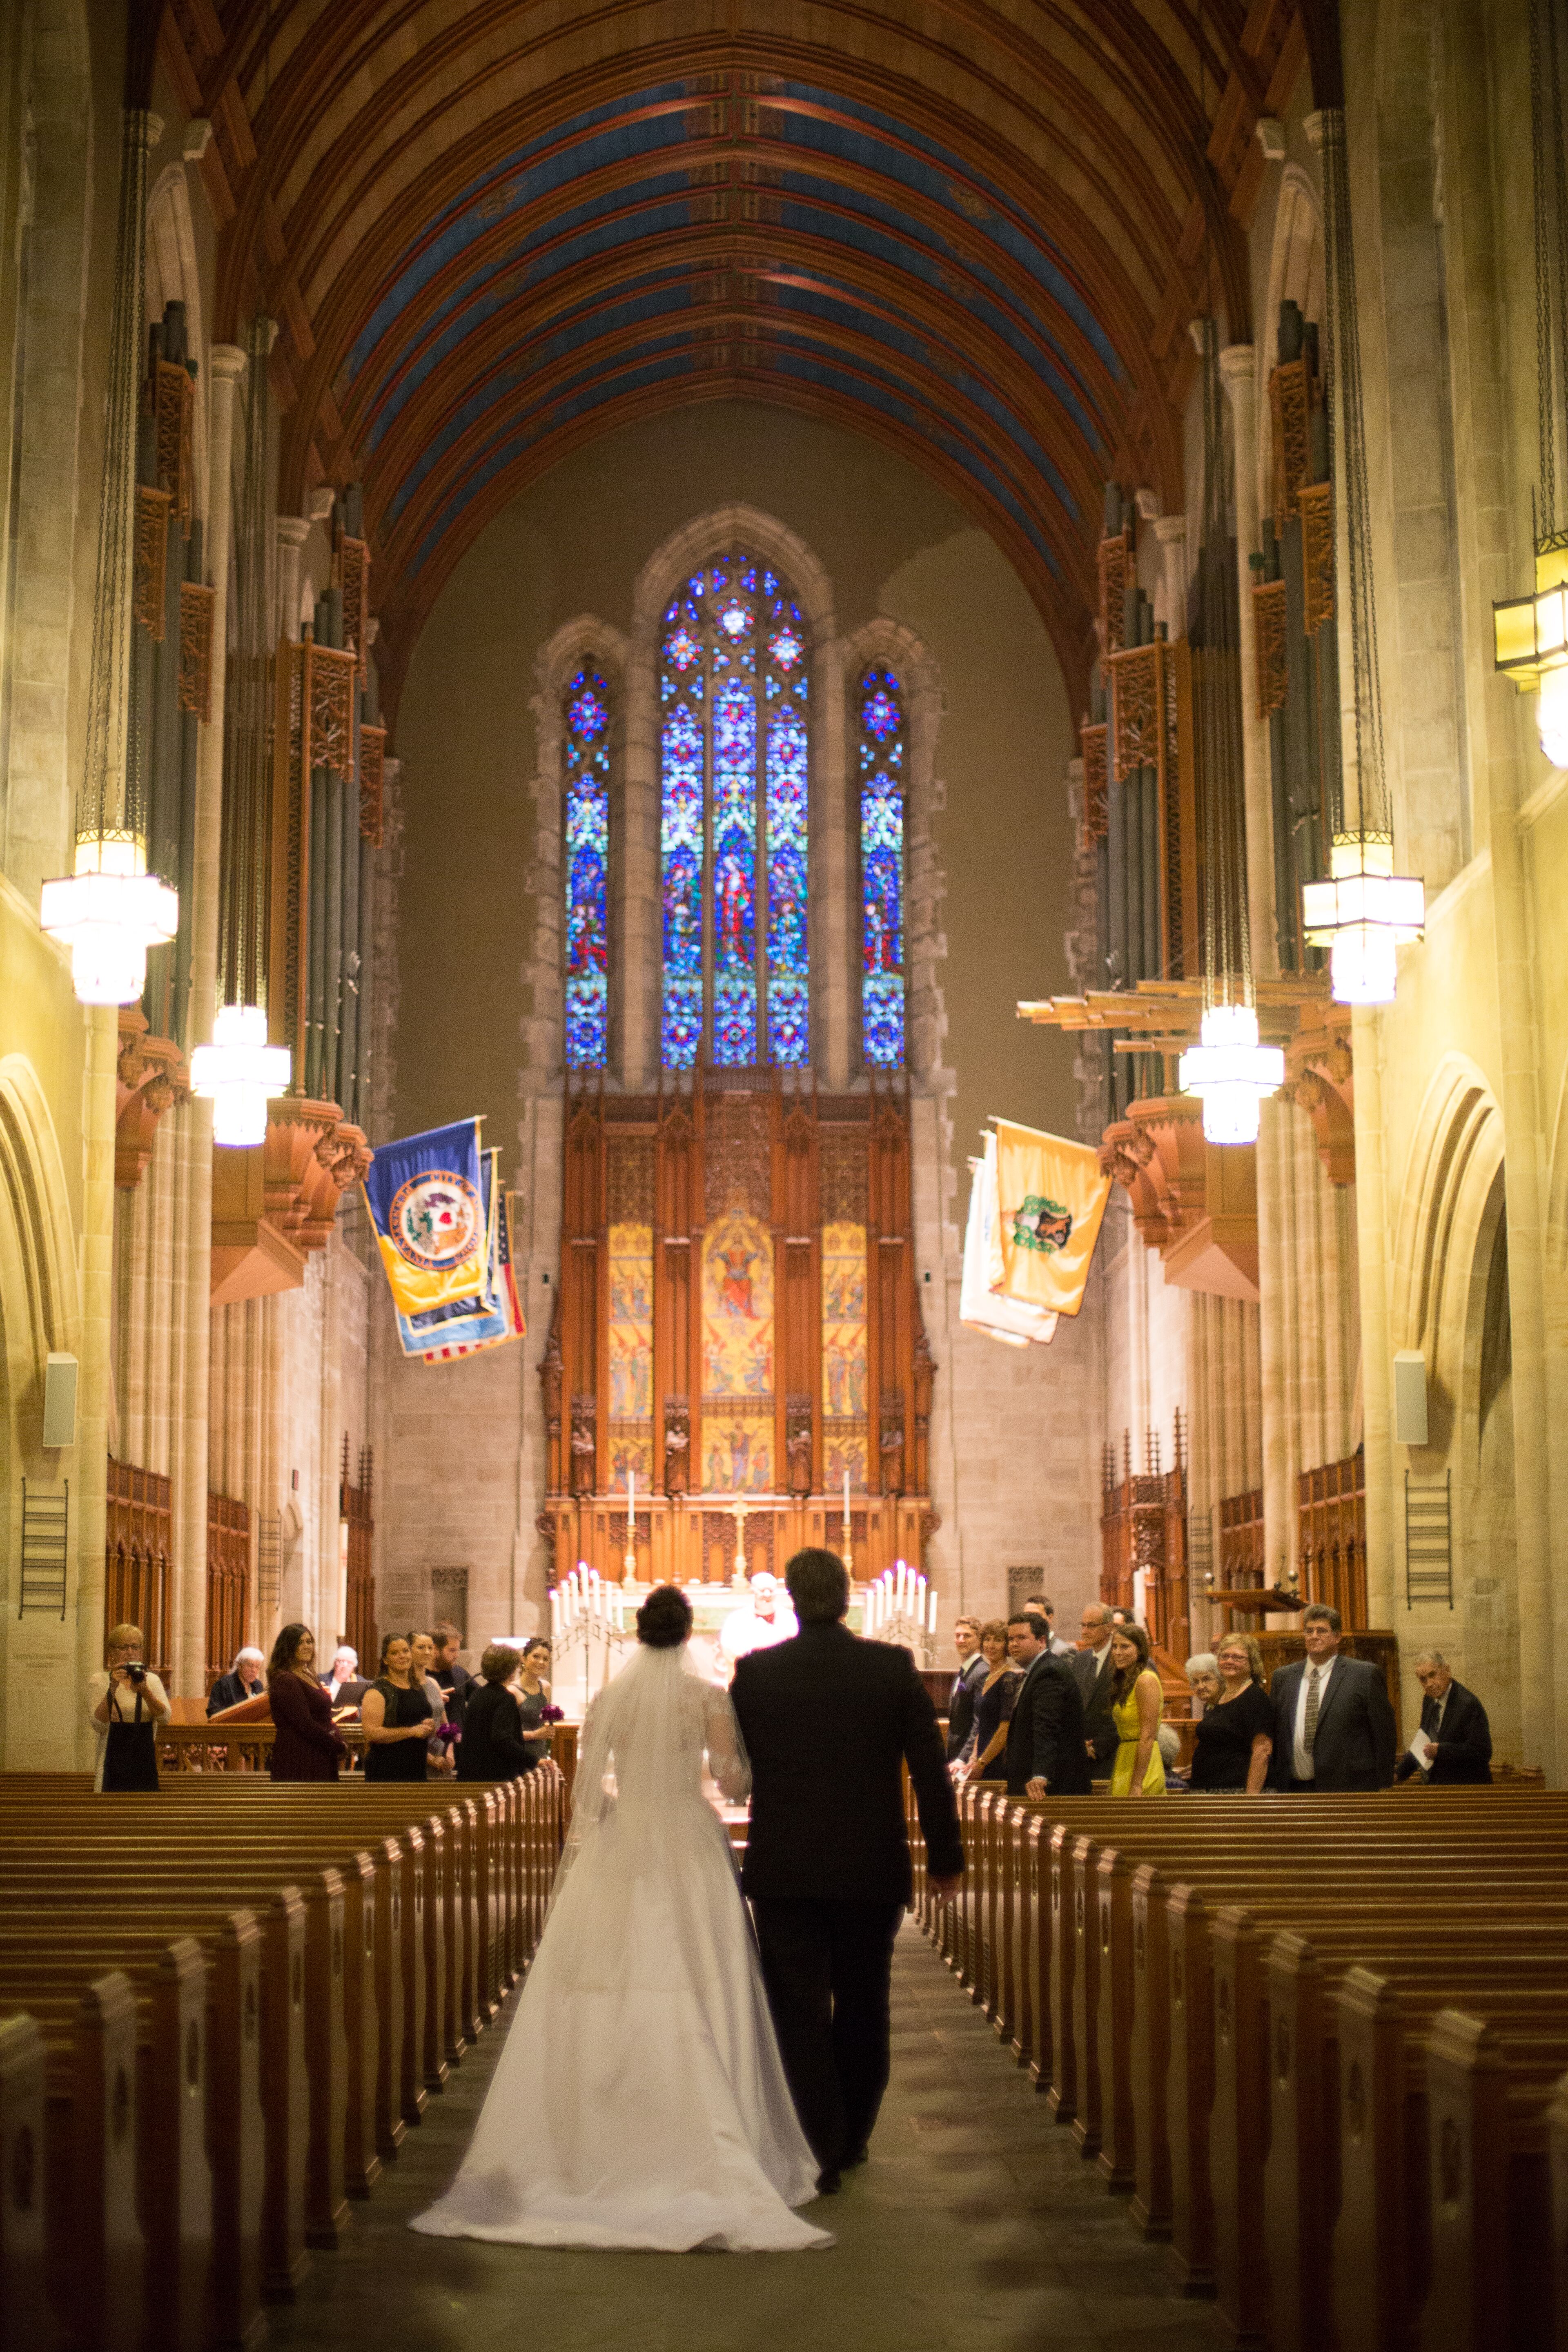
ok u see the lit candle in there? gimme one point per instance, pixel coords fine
(930, 1604)
(847, 1498)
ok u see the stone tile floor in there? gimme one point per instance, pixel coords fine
(976, 2228)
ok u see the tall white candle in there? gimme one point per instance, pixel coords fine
(847, 1498)
(631, 1511)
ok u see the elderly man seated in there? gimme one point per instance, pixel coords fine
(1453, 1749)
(242, 1680)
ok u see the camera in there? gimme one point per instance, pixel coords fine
(135, 1672)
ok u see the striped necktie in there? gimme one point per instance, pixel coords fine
(1310, 1727)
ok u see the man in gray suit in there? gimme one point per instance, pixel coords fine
(1091, 1671)
(1335, 1725)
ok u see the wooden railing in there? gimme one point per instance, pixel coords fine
(248, 1748)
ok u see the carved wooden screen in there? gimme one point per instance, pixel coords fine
(736, 1326)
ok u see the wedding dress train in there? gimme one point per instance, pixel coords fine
(639, 2100)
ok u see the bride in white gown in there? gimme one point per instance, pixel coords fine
(640, 2100)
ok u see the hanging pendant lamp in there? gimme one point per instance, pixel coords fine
(108, 910)
(1363, 911)
(1230, 1070)
(239, 1072)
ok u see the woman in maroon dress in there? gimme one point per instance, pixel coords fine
(304, 1747)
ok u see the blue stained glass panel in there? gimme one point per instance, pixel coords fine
(789, 1033)
(734, 850)
(587, 730)
(882, 770)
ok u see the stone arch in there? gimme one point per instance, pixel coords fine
(733, 524)
(1449, 1299)
(39, 1301)
(36, 821)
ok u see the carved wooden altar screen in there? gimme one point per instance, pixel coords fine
(736, 1326)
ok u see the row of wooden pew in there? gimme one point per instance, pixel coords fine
(1320, 2044)
(222, 2008)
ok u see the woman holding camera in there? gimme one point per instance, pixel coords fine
(304, 1745)
(127, 1701)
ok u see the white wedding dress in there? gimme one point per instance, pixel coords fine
(640, 2100)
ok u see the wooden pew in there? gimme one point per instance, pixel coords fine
(22, 2061)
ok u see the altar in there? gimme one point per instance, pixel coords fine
(736, 1333)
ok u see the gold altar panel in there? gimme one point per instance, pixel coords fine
(736, 1355)
(630, 1334)
(845, 1426)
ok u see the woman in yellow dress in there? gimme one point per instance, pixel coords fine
(1137, 1700)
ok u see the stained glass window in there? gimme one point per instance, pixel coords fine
(882, 768)
(587, 731)
(734, 757)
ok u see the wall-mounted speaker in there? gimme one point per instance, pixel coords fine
(1409, 1397)
(59, 1401)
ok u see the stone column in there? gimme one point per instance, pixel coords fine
(227, 365)
(1171, 531)
(293, 530)
(1238, 367)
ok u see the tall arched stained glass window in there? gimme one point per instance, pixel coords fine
(882, 769)
(734, 756)
(586, 715)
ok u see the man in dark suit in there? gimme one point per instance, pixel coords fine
(972, 1671)
(1046, 1746)
(1093, 1673)
(828, 1722)
(242, 1680)
(1459, 1737)
(1335, 1725)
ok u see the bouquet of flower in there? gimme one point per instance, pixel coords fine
(448, 1731)
(551, 1714)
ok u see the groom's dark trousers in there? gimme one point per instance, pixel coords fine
(828, 1722)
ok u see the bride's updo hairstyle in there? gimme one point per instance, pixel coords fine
(664, 1620)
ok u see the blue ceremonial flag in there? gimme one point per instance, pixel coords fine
(507, 1320)
(430, 1200)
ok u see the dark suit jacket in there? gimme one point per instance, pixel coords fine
(828, 1720)
(1094, 1689)
(1464, 1758)
(492, 1747)
(1355, 1739)
(229, 1689)
(961, 1706)
(1046, 1736)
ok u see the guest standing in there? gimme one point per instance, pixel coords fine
(439, 1751)
(533, 1696)
(994, 1699)
(1047, 1751)
(1333, 1724)
(304, 1745)
(453, 1680)
(346, 1686)
(127, 1702)
(1459, 1737)
(1036, 1605)
(1137, 1702)
(966, 1634)
(1203, 1681)
(1093, 1673)
(395, 1712)
(492, 1747)
(1236, 1737)
(242, 1680)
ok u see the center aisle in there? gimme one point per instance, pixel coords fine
(976, 2228)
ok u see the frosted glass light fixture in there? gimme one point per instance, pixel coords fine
(1231, 1073)
(1529, 645)
(239, 1072)
(1362, 914)
(109, 913)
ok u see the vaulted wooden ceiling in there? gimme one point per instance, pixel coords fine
(494, 229)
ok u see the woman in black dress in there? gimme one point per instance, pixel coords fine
(395, 1713)
(532, 1689)
(1236, 1737)
(993, 1700)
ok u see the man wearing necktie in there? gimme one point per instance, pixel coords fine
(1336, 1726)
(1454, 1724)
(972, 1672)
